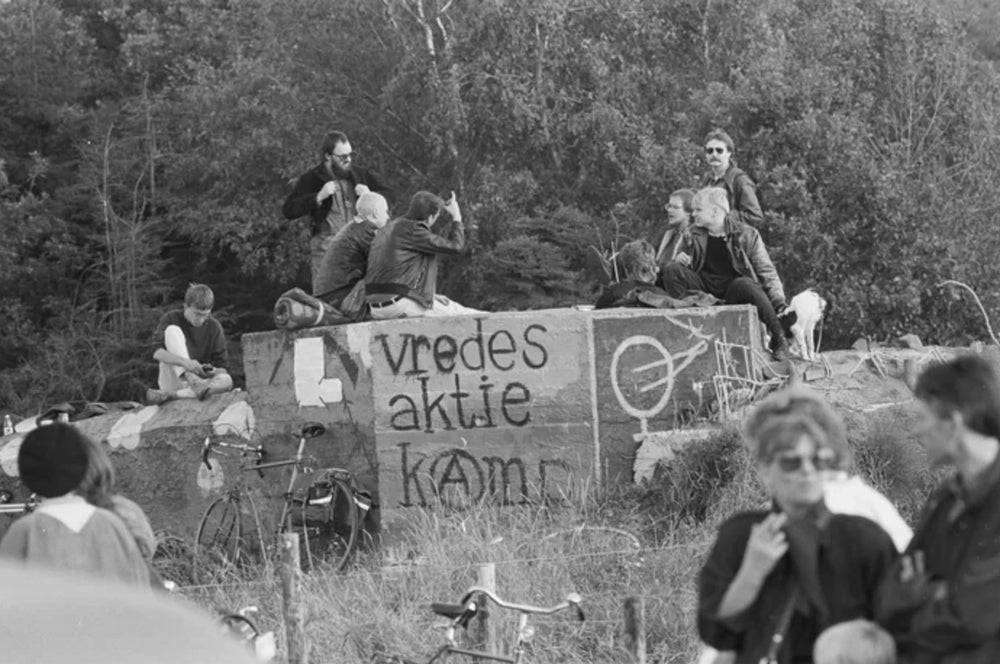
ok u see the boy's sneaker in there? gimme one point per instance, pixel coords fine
(156, 397)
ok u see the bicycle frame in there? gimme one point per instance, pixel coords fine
(523, 632)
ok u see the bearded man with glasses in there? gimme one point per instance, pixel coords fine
(328, 194)
(724, 173)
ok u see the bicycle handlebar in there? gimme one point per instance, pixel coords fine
(206, 449)
(309, 430)
(572, 600)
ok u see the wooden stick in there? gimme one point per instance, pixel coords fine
(982, 309)
(635, 628)
(291, 594)
(484, 629)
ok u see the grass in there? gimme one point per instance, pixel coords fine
(543, 552)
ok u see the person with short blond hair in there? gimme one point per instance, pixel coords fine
(854, 642)
(728, 260)
(340, 279)
(190, 347)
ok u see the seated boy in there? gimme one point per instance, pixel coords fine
(191, 350)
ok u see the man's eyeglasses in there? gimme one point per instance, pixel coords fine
(822, 460)
(343, 157)
(715, 150)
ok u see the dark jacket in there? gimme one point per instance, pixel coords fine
(748, 255)
(837, 565)
(952, 615)
(674, 239)
(344, 263)
(403, 259)
(302, 200)
(743, 203)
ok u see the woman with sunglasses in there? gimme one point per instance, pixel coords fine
(723, 172)
(775, 579)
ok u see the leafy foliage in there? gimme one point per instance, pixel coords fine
(148, 144)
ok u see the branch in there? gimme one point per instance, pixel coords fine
(989, 328)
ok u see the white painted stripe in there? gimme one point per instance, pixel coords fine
(595, 421)
(125, 432)
(312, 387)
(8, 456)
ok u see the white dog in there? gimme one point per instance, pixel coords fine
(800, 319)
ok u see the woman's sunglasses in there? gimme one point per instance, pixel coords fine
(821, 460)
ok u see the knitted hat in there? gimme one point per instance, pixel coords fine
(52, 460)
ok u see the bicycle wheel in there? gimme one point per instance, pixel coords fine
(217, 544)
(331, 534)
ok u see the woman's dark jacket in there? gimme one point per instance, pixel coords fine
(837, 562)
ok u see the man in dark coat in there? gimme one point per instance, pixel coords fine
(328, 193)
(940, 601)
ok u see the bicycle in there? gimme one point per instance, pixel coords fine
(329, 515)
(16, 509)
(240, 626)
(462, 613)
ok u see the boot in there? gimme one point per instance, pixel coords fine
(779, 348)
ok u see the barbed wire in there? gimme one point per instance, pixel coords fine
(414, 567)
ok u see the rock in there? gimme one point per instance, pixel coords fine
(861, 344)
(911, 341)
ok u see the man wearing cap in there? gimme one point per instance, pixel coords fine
(65, 531)
(345, 262)
(328, 193)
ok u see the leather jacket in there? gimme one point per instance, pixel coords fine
(741, 191)
(403, 259)
(344, 262)
(748, 255)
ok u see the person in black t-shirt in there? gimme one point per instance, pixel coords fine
(191, 350)
(727, 258)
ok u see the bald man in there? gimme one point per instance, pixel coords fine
(346, 259)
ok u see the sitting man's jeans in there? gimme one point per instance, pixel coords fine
(174, 379)
(678, 280)
(406, 307)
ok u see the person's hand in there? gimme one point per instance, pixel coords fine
(361, 189)
(683, 259)
(193, 367)
(327, 191)
(766, 546)
(451, 205)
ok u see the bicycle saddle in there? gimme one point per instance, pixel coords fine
(312, 430)
(448, 610)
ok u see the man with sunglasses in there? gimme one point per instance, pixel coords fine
(328, 194)
(724, 173)
(940, 601)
